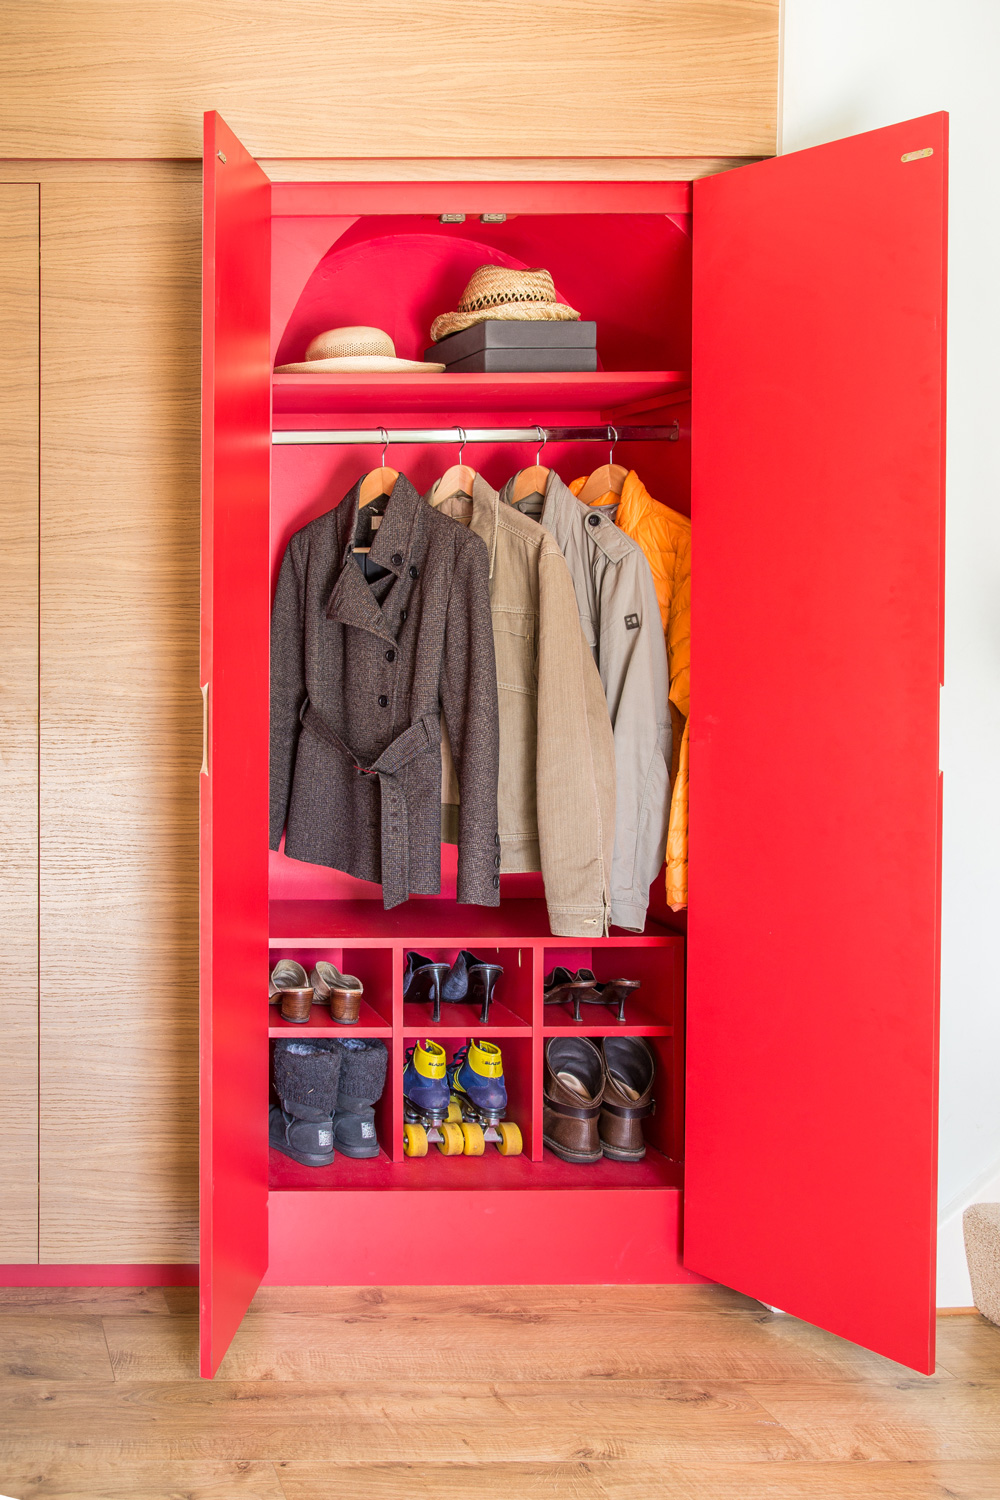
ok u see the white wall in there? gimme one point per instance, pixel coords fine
(849, 66)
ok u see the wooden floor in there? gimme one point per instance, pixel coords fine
(516, 1393)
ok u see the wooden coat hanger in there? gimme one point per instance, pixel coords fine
(532, 481)
(377, 482)
(609, 479)
(453, 491)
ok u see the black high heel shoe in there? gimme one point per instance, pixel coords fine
(423, 979)
(472, 978)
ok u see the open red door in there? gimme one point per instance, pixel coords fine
(818, 380)
(236, 455)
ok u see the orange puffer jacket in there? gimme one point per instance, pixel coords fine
(665, 537)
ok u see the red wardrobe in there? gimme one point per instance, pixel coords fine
(789, 317)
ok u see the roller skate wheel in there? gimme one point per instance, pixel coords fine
(510, 1143)
(475, 1142)
(451, 1142)
(454, 1112)
(414, 1140)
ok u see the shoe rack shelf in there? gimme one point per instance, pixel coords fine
(491, 1172)
(363, 939)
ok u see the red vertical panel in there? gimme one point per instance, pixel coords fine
(818, 377)
(236, 423)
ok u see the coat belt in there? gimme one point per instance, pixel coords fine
(414, 741)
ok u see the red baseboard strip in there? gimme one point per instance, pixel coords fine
(132, 1275)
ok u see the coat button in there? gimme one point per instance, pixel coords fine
(496, 882)
(383, 701)
(402, 616)
(397, 559)
(390, 655)
(593, 520)
(496, 861)
(496, 838)
(414, 570)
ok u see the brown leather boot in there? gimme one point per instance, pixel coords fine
(571, 1104)
(628, 1096)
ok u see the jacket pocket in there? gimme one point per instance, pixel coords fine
(514, 643)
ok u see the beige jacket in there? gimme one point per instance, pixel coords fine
(620, 616)
(556, 796)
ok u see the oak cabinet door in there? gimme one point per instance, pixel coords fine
(19, 239)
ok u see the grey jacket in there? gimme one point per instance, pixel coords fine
(557, 755)
(361, 674)
(616, 598)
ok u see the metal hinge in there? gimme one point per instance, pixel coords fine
(204, 730)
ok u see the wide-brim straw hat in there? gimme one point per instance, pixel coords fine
(343, 350)
(516, 296)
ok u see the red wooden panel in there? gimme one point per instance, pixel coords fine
(545, 1236)
(134, 1274)
(236, 420)
(302, 395)
(473, 198)
(818, 380)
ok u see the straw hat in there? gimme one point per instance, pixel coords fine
(346, 349)
(507, 293)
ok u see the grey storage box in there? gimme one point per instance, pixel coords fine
(500, 346)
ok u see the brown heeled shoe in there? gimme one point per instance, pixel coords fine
(341, 992)
(611, 992)
(563, 988)
(290, 989)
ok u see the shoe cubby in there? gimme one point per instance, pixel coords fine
(653, 1010)
(345, 1171)
(373, 966)
(518, 1067)
(510, 1008)
(663, 1130)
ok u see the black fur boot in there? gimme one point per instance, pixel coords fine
(363, 1065)
(306, 1079)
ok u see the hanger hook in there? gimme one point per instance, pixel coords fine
(613, 435)
(461, 443)
(543, 438)
(385, 444)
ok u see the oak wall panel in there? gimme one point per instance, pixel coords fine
(120, 716)
(19, 720)
(391, 78)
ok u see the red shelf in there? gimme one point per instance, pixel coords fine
(592, 392)
(614, 1028)
(432, 921)
(491, 1172)
(641, 1019)
(369, 1023)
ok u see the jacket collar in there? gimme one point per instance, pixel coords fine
(565, 517)
(485, 519)
(351, 599)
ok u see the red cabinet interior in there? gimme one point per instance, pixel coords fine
(377, 253)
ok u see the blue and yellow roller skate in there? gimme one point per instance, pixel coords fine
(479, 1100)
(428, 1114)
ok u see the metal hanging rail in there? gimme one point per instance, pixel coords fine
(542, 435)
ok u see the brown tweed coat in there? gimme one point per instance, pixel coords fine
(360, 676)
